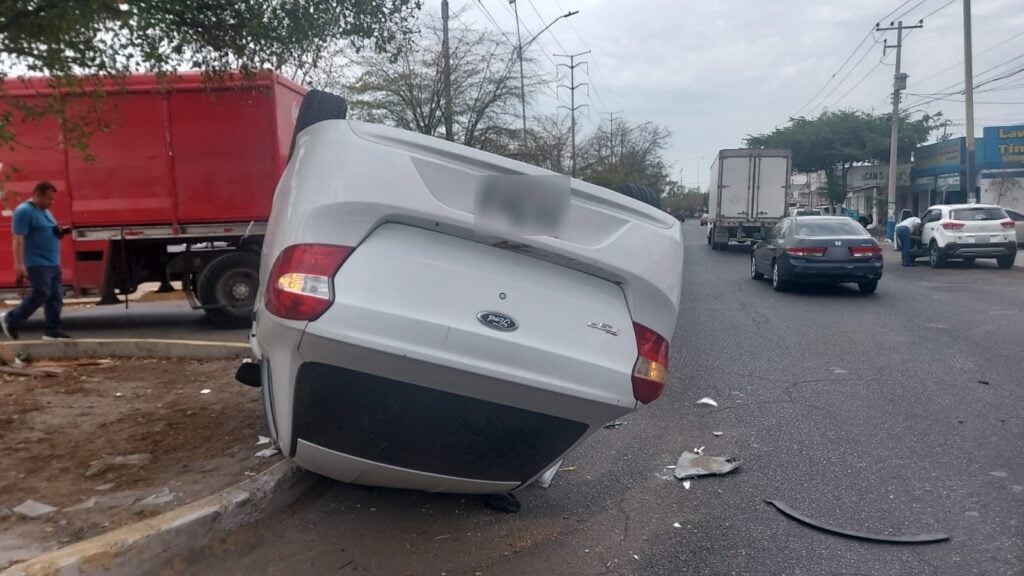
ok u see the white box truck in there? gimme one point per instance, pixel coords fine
(748, 194)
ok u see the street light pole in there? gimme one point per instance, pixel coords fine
(969, 105)
(520, 47)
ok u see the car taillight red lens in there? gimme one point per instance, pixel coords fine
(1006, 224)
(301, 282)
(807, 250)
(865, 251)
(651, 369)
(952, 225)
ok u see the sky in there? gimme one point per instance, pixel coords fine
(715, 71)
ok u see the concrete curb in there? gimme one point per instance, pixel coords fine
(125, 348)
(169, 543)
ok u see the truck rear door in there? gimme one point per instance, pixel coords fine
(736, 174)
(770, 189)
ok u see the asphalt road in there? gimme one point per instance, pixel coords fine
(896, 413)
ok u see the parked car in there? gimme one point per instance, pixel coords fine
(967, 232)
(704, 219)
(1018, 225)
(402, 341)
(805, 212)
(818, 249)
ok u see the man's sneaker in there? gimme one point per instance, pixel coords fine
(56, 335)
(9, 330)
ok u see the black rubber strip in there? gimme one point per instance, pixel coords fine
(920, 539)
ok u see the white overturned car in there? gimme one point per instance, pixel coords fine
(438, 318)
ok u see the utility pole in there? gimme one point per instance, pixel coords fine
(522, 79)
(899, 83)
(972, 191)
(446, 55)
(572, 99)
(611, 134)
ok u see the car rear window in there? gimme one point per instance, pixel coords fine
(827, 228)
(975, 214)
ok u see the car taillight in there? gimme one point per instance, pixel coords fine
(950, 225)
(651, 369)
(1006, 224)
(806, 250)
(300, 286)
(865, 251)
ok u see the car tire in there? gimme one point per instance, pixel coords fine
(1007, 261)
(230, 282)
(778, 284)
(639, 192)
(754, 274)
(868, 287)
(935, 256)
(316, 107)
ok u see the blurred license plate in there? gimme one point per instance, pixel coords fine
(980, 239)
(522, 205)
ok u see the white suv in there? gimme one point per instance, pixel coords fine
(402, 340)
(967, 232)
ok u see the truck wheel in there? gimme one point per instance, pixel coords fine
(317, 106)
(638, 192)
(230, 282)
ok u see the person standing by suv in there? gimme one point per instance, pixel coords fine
(36, 245)
(905, 230)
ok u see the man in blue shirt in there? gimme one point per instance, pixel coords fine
(36, 244)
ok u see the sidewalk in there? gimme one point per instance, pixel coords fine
(892, 257)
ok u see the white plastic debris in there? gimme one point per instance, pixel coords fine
(635, 557)
(839, 371)
(267, 453)
(676, 525)
(692, 465)
(262, 440)
(545, 479)
(162, 497)
(706, 400)
(33, 509)
(699, 451)
(717, 433)
(686, 484)
(205, 391)
(118, 395)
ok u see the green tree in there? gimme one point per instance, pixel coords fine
(77, 43)
(835, 141)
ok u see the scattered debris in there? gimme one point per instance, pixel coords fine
(985, 382)
(104, 487)
(614, 424)
(118, 395)
(267, 452)
(686, 484)
(90, 503)
(442, 537)
(160, 498)
(692, 465)
(567, 469)
(5, 512)
(677, 525)
(706, 400)
(920, 539)
(999, 474)
(205, 391)
(34, 372)
(33, 509)
(717, 433)
(100, 466)
(699, 451)
(839, 371)
(260, 440)
(635, 557)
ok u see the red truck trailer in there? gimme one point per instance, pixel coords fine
(179, 189)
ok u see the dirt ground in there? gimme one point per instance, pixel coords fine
(60, 438)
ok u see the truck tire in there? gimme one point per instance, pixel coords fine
(230, 282)
(317, 106)
(641, 193)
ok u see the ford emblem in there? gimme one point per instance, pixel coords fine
(497, 321)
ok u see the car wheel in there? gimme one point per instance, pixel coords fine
(316, 107)
(754, 274)
(868, 287)
(229, 285)
(778, 284)
(1006, 261)
(935, 255)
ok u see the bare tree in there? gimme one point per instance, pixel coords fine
(626, 153)
(405, 89)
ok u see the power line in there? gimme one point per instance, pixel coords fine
(940, 8)
(895, 10)
(834, 74)
(542, 23)
(494, 22)
(914, 7)
(859, 82)
(593, 62)
(841, 82)
(985, 51)
(944, 91)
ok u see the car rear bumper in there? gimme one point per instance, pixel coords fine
(990, 250)
(808, 271)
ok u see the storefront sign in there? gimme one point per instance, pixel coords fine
(948, 153)
(947, 182)
(876, 175)
(1004, 144)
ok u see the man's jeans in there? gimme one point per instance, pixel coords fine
(903, 234)
(47, 292)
